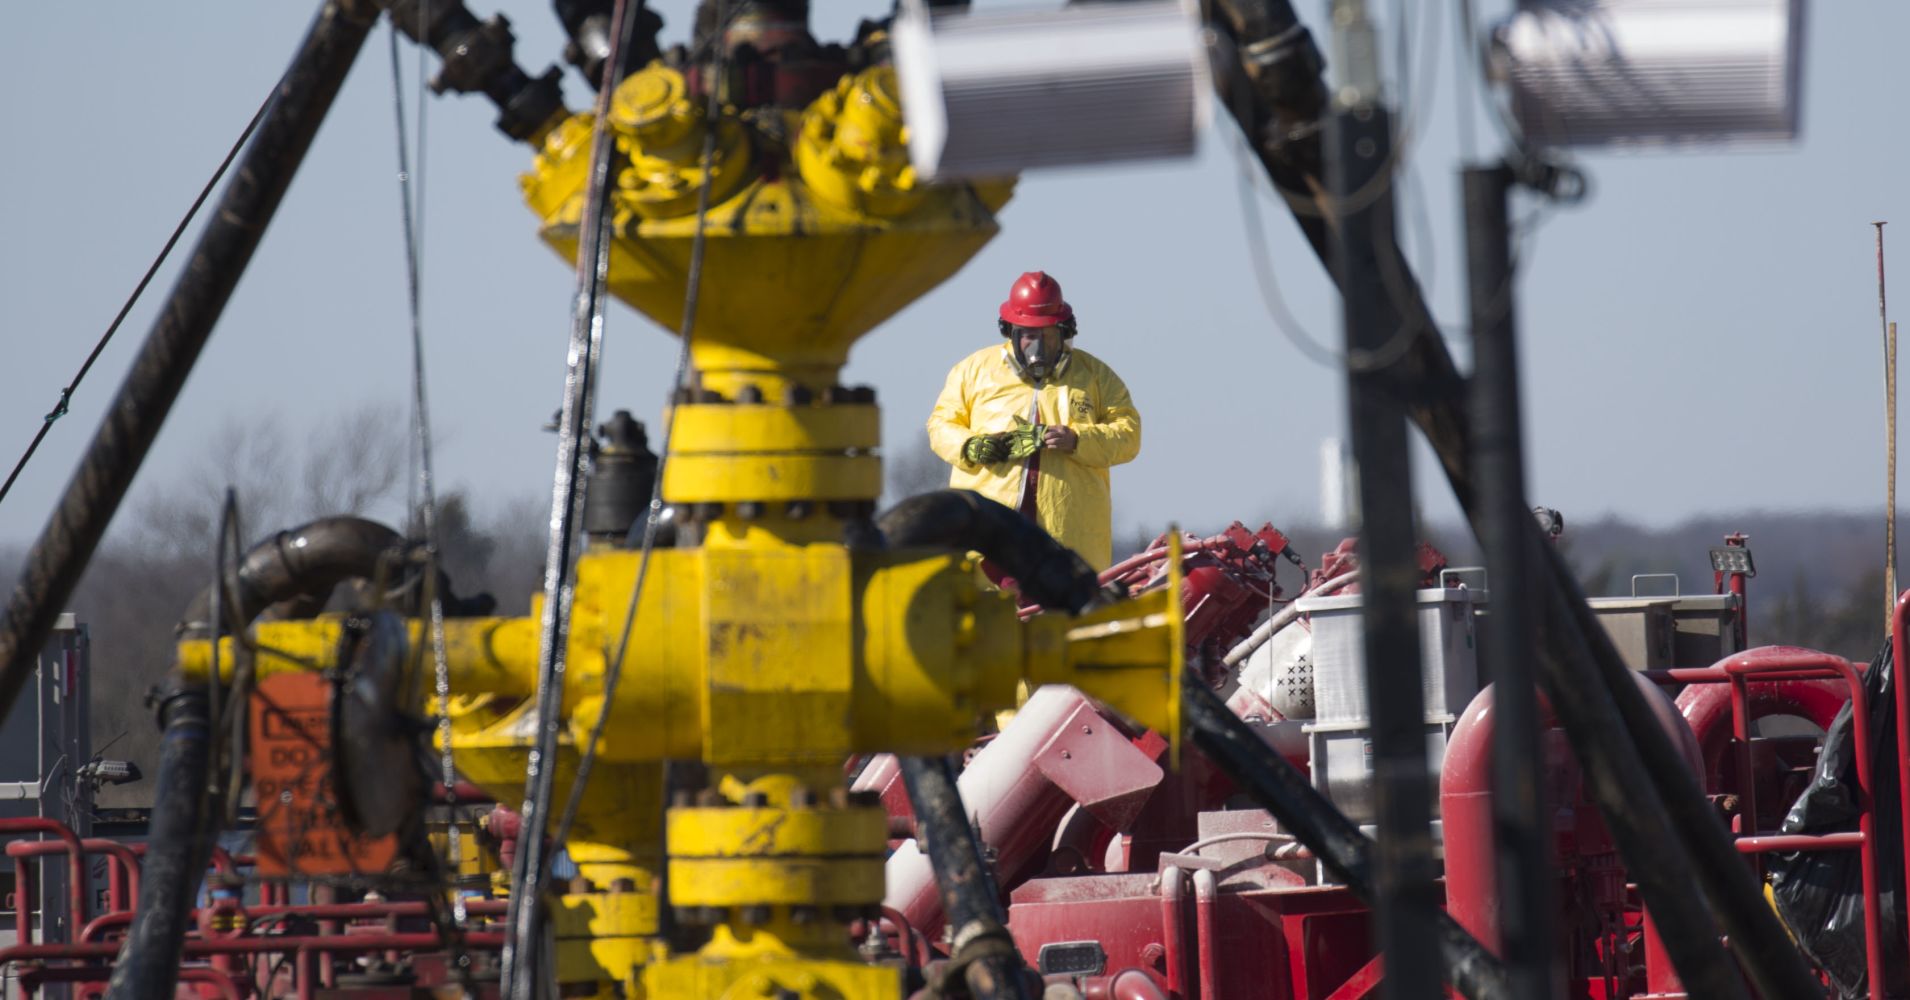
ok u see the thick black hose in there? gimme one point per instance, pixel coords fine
(989, 963)
(1045, 571)
(139, 408)
(1283, 791)
(176, 853)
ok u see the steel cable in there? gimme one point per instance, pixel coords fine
(524, 946)
(613, 672)
(66, 395)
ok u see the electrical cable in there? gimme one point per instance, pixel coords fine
(450, 924)
(525, 946)
(614, 671)
(66, 395)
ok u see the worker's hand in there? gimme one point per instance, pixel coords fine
(1024, 441)
(985, 449)
(1061, 439)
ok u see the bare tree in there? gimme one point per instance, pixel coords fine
(911, 470)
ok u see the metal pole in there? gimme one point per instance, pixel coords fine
(1890, 443)
(1651, 802)
(1406, 896)
(1522, 835)
(172, 347)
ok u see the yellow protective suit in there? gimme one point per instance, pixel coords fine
(985, 394)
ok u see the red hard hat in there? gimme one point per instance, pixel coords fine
(1036, 301)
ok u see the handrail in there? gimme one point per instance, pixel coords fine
(1786, 663)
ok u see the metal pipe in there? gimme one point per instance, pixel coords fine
(122, 871)
(94, 973)
(1281, 619)
(1890, 435)
(1406, 894)
(1807, 842)
(1276, 786)
(1206, 934)
(179, 842)
(306, 561)
(1014, 802)
(993, 967)
(1174, 928)
(1899, 648)
(1524, 851)
(75, 859)
(261, 944)
(139, 408)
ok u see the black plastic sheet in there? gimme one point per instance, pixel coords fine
(1820, 893)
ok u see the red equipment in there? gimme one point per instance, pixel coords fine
(1035, 300)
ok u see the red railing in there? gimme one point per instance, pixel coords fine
(1789, 663)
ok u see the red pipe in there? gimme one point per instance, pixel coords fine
(314, 911)
(1174, 929)
(75, 861)
(1128, 984)
(1015, 801)
(1899, 647)
(1799, 842)
(23, 881)
(1206, 895)
(1706, 707)
(31, 978)
(122, 874)
(258, 945)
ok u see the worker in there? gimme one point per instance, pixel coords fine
(1035, 424)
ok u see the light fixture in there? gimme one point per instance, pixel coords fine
(1653, 72)
(994, 94)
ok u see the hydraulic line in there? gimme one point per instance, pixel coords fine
(983, 951)
(1047, 572)
(178, 849)
(139, 408)
(1302, 810)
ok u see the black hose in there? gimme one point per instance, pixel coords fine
(984, 955)
(1283, 791)
(1045, 571)
(179, 847)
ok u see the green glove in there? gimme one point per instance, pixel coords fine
(1024, 440)
(985, 449)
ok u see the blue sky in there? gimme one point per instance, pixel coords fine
(1699, 335)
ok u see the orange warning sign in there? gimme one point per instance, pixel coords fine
(300, 829)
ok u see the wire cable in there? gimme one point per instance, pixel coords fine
(66, 395)
(653, 518)
(451, 923)
(525, 944)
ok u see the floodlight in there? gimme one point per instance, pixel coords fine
(993, 94)
(1653, 72)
